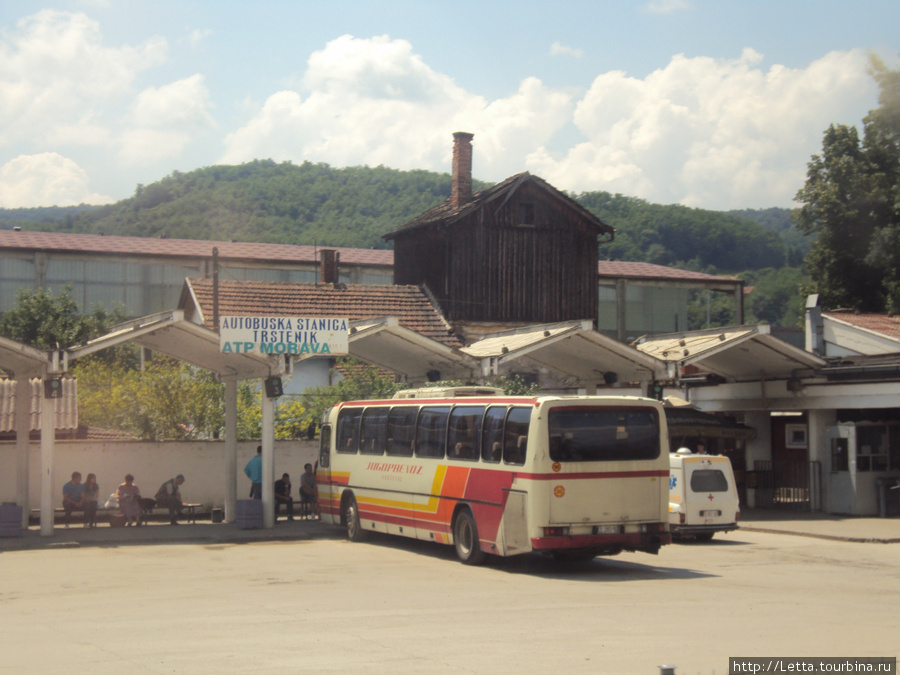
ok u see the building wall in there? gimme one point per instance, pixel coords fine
(648, 310)
(151, 463)
(143, 285)
(529, 261)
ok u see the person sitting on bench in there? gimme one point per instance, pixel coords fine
(169, 495)
(73, 496)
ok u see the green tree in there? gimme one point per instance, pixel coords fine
(43, 320)
(851, 203)
(360, 382)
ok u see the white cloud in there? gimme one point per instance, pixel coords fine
(56, 78)
(198, 37)
(47, 179)
(701, 131)
(558, 49)
(165, 120)
(374, 101)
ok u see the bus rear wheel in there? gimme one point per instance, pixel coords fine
(351, 520)
(465, 539)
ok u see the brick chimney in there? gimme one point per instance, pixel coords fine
(329, 266)
(461, 187)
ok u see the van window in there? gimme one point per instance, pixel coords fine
(708, 480)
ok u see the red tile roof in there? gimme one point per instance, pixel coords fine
(409, 304)
(183, 248)
(885, 324)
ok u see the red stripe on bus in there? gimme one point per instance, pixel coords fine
(592, 474)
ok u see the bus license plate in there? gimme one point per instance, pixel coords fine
(607, 529)
(710, 514)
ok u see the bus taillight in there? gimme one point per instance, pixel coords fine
(556, 531)
(654, 528)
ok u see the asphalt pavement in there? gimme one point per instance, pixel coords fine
(846, 528)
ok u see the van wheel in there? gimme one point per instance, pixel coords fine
(465, 539)
(351, 520)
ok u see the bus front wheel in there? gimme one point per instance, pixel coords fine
(465, 539)
(351, 520)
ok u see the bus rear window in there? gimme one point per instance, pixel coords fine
(603, 434)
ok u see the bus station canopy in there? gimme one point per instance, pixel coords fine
(571, 348)
(22, 360)
(171, 334)
(736, 354)
(384, 342)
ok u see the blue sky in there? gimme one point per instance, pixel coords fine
(710, 104)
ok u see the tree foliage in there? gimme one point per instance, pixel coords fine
(851, 203)
(43, 320)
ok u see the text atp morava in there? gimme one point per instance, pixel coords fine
(283, 335)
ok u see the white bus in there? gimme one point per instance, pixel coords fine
(574, 476)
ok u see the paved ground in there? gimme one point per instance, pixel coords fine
(875, 530)
(398, 606)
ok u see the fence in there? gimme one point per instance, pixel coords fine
(795, 486)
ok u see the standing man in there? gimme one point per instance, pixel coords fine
(73, 496)
(169, 494)
(308, 492)
(253, 470)
(283, 496)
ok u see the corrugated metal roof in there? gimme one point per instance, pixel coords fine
(94, 244)
(886, 324)
(183, 248)
(642, 270)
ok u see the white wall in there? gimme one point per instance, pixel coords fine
(201, 462)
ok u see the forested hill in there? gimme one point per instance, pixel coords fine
(309, 203)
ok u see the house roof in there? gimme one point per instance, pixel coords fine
(448, 213)
(13, 240)
(410, 304)
(885, 324)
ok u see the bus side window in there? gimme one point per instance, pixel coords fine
(325, 446)
(516, 435)
(464, 433)
(348, 430)
(401, 430)
(374, 431)
(431, 432)
(492, 434)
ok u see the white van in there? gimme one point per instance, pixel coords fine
(703, 497)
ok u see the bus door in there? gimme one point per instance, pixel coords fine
(323, 476)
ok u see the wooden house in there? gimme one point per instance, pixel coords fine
(520, 252)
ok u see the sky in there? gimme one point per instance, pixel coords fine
(714, 104)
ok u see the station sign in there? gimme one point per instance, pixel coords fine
(301, 336)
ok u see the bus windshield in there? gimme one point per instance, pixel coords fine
(603, 434)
